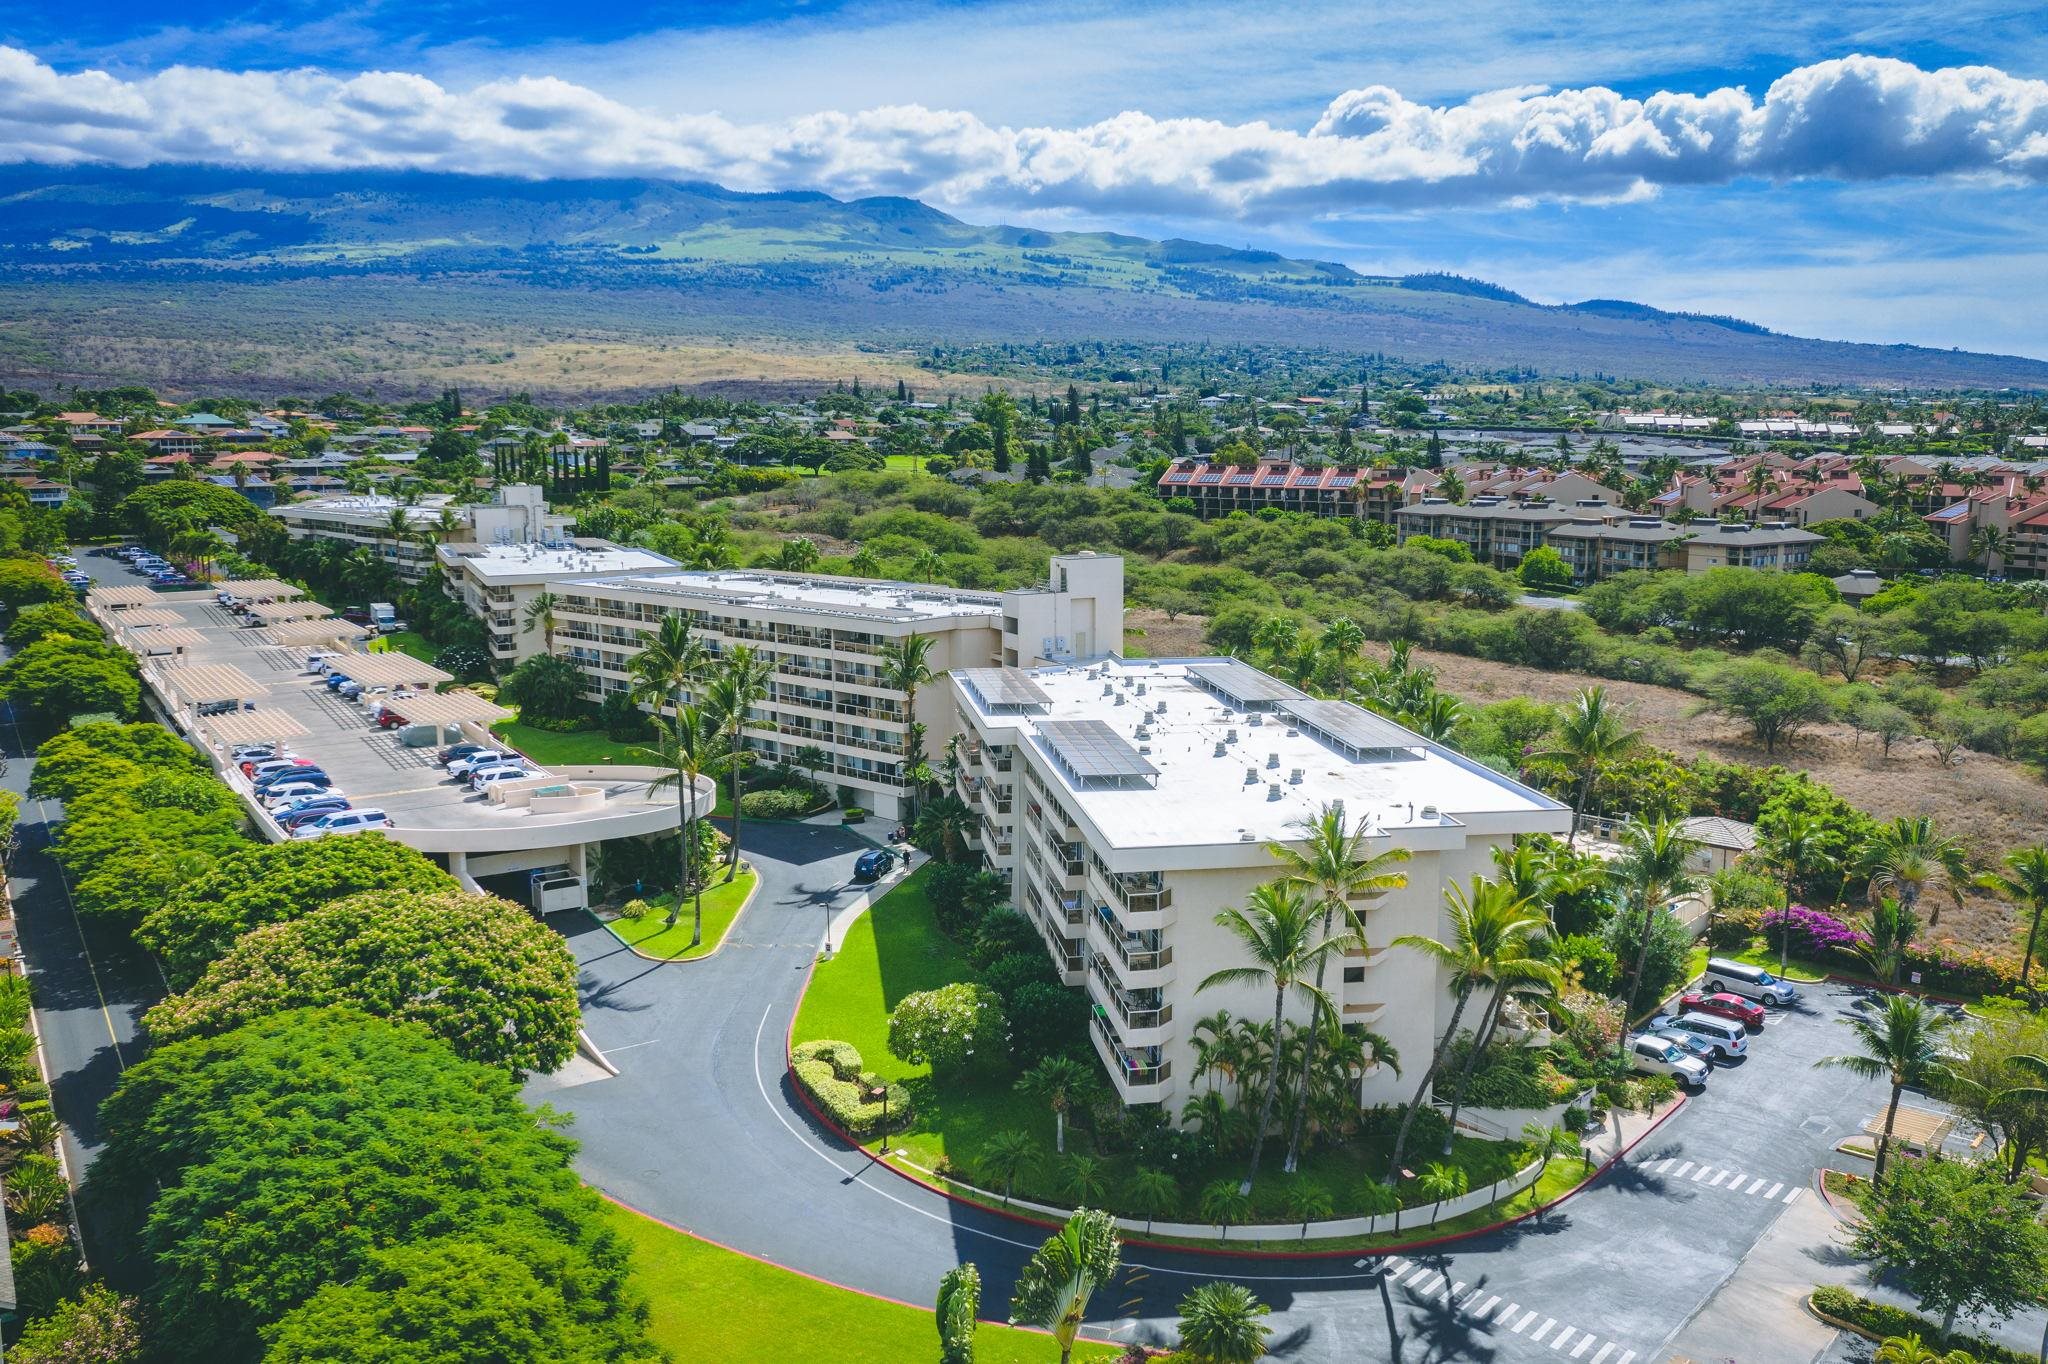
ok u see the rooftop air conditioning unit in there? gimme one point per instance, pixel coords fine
(1294, 777)
(1273, 791)
(1120, 698)
(1230, 737)
(1144, 749)
(1221, 748)
(1251, 776)
(1244, 836)
(1141, 689)
(1257, 720)
(1272, 760)
(1429, 812)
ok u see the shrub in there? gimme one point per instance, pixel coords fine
(962, 896)
(97, 1327)
(623, 720)
(1813, 934)
(1046, 1019)
(1011, 974)
(1599, 971)
(1505, 1077)
(778, 802)
(1734, 928)
(947, 1027)
(1005, 933)
(1882, 1321)
(46, 1272)
(830, 1072)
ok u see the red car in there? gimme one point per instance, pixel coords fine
(1726, 1005)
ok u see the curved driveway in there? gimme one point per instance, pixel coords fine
(701, 1130)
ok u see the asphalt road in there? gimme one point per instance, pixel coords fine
(702, 1130)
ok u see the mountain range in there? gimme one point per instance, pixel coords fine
(93, 256)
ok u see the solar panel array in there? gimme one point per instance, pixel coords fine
(1240, 683)
(1003, 687)
(1090, 750)
(1351, 726)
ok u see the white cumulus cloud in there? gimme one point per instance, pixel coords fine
(1855, 118)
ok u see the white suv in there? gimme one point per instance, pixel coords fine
(1655, 1056)
(344, 822)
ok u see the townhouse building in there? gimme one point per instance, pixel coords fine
(1499, 531)
(1318, 490)
(1128, 802)
(1597, 550)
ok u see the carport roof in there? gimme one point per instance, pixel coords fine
(117, 597)
(148, 616)
(252, 727)
(264, 589)
(1915, 1127)
(449, 708)
(383, 670)
(211, 682)
(157, 637)
(288, 610)
(314, 631)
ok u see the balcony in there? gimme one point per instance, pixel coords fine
(1066, 857)
(1144, 900)
(1136, 954)
(1067, 956)
(998, 839)
(1139, 1021)
(1140, 1076)
(1059, 906)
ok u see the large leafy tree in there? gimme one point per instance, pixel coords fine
(1959, 1238)
(1056, 1284)
(288, 1155)
(478, 971)
(60, 676)
(273, 883)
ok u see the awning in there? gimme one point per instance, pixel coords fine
(149, 615)
(450, 708)
(330, 631)
(289, 610)
(157, 640)
(393, 669)
(195, 682)
(263, 589)
(252, 727)
(115, 598)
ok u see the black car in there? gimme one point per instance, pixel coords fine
(873, 864)
(455, 751)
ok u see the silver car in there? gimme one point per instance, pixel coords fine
(1655, 1056)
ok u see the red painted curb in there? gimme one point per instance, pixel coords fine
(788, 1044)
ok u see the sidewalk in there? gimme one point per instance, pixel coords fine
(843, 918)
(1758, 1315)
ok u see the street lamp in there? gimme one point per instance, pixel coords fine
(881, 1091)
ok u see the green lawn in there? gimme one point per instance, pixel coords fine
(713, 1303)
(1799, 971)
(589, 747)
(651, 934)
(896, 949)
(409, 642)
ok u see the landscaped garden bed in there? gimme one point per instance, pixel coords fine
(644, 925)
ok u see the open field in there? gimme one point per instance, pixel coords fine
(1992, 804)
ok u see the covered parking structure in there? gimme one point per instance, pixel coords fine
(137, 617)
(393, 670)
(158, 640)
(269, 611)
(263, 589)
(453, 708)
(315, 631)
(196, 683)
(116, 599)
(252, 727)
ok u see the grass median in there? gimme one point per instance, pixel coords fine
(651, 933)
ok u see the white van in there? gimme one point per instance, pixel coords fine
(1728, 1038)
(1751, 982)
(320, 662)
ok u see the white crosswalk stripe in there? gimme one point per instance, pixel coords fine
(1773, 1193)
(1569, 1341)
(1705, 1170)
(1487, 1306)
(1627, 1357)
(1679, 1173)
(1543, 1330)
(1508, 1311)
(1523, 1324)
(1580, 1348)
(1558, 1341)
(1605, 1350)
(1793, 1197)
(1754, 1187)
(1715, 1182)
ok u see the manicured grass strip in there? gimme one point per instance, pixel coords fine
(585, 748)
(651, 934)
(409, 642)
(712, 1303)
(893, 950)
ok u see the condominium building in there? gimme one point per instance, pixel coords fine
(1598, 550)
(825, 637)
(500, 582)
(1498, 530)
(1128, 802)
(517, 514)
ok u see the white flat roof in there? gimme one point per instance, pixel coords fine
(370, 509)
(1197, 798)
(495, 563)
(764, 589)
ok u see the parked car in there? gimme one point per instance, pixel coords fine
(489, 757)
(224, 707)
(257, 768)
(350, 689)
(388, 718)
(336, 678)
(1729, 1039)
(247, 755)
(282, 795)
(1693, 1043)
(454, 751)
(1655, 1056)
(347, 822)
(289, 774)
(1743, 1011)
(1751, 982)
(873, 864)
(490, 776)
(317, 663)
(305, 812)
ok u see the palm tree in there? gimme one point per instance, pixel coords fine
(737, 688)
(865, 563)
(1909, 857)
(1901, 1046)
(1548, 1143)
(1542, 872)
(2024, 881)
(1589, 735)
(684, 751)
(1059, 1081)
(668, 659)
(946, 821)
(1219, 1324)
(1152, 1192)
(1055, 1285)
(1085, 1181)
(1521, 966)
(1487, 924)
(1911, 1349)
(1006, 1157)
(1439, 1182)
(1336, 865)
(1656, 868)
(1277, 929)
(797, 556)
(928, 567)
(541, 612)
(1796, 851)
(1223, 1125)
(1308, 1201)
(1888, 932)
(1225, 1204)
(906, 665)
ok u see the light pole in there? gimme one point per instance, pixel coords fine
(881, 1091)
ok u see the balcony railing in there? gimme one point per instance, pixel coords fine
(1134, 1068)
(1137, 951)
(1066, 856)
(1137, 1014)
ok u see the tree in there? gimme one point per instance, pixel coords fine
(346, 1137)
(1888, 932)
(942, 827)
(59, 677)
(1544, 569)
(1055, 1285)
(1959, 1238)
(1007, 1157)
(30, 582)
(1058, 1081)
(1911, 1349)
(685, 751)
(945, 1028)
(1440, 1182)
(1589, 735)
(476, 970)
(1909, 857)
(959, 1304)
(33, 624)
(669, 659)
(97, 1327)
(738, 687)
(1276, 929)
(1774, 700)
(1901, 1045)
(1655, 868)
(2024, 882)
(1337, 866)
(1220, 1323)
(1796, 848)
(1520, 966)
(1152, 1192)
(273, 883)
(905, 667)
(797, 556)
(998, 412)
(545, 688)
(540, 613)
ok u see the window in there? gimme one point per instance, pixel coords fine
(1354, 975)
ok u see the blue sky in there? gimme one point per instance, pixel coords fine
(1951, 252)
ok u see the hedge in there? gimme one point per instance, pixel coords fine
(779, 802)
(1883, 1322)
(830, 1072)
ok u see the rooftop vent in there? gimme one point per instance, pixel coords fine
(1273, 791)
(1144, 749)
(1257, 719)
(1247, 837)
(1272, 760)
(1293, 733)
(1294, 777)
(1429, 812)
(1120, 698)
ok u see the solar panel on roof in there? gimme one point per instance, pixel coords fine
(1090, 749)
(1004, 686)
(1240, 683)
(1352, 726)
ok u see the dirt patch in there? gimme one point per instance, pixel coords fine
(1993, 805)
